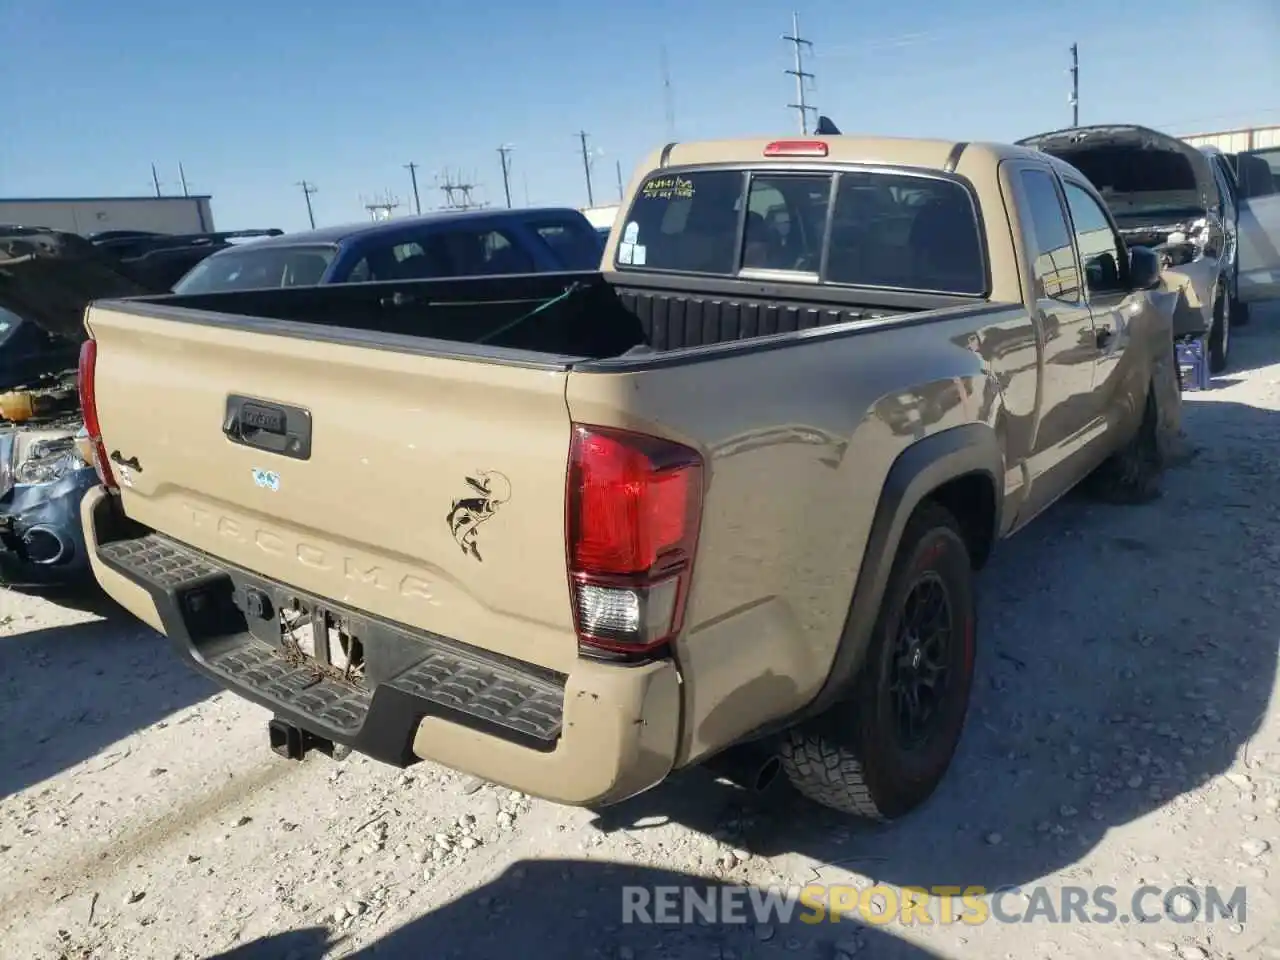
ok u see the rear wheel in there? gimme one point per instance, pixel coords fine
(884, 751)
(1132, 474)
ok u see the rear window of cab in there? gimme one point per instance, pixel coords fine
(888, 230)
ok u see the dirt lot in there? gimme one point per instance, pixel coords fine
(1123, 733)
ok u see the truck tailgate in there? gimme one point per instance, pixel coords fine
(426, 490)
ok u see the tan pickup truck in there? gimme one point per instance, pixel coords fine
(720, 502)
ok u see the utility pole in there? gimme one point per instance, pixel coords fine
(413, 175)
(799, 73)
(1075, 86)
(586, 167)
(155, 179)
(668, 99)
(182, 175)
(308, 189)
(618, 166)
(504, 152)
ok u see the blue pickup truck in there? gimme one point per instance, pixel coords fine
(445, 244)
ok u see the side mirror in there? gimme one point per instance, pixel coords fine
(1144, 268)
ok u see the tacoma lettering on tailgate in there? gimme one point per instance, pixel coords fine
(276, 544)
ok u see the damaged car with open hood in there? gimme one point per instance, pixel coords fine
(47, 278)
(1173, 198)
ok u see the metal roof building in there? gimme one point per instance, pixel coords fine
(1233, 141)
(85, 215)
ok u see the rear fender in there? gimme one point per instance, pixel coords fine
(919, 471)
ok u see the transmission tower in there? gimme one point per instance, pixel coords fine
(800, 44)
(381, 208)
(458, 193)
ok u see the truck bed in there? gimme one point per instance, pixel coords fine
(578, 315)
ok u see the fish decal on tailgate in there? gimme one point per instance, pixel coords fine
(491, 490)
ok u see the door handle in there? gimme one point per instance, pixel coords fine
(1104, 336)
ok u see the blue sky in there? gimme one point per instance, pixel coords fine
(252, 97)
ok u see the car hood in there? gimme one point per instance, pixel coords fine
(1141, 173)
(48, 278)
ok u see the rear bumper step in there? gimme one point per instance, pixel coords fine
(225, 622)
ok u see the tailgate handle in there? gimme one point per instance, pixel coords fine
(264, 425)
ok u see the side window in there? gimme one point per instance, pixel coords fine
(1055, 271)
(485, 253)
(1259, 172)
(1101, 250)
(1226, 188)
(406, 260)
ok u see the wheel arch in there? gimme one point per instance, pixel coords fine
(949, 468)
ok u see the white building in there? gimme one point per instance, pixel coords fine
(600, 217)
(85, 215)
(1234, 141)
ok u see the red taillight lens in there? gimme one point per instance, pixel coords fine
(634, 509)
(89, 410)
(796, 148)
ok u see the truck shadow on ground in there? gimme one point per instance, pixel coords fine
(1128, 655)
(553, 909)
(72, 691)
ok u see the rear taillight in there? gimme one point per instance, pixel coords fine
(634, 509)
(89, 410)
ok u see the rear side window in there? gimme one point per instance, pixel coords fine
(1054, 263)
(250, 267)
(905, 232)
(418, 259)
(575, 245)
(860, 228)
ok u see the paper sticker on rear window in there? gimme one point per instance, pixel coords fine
(668, 188)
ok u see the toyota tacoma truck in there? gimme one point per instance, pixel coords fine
(720, 501)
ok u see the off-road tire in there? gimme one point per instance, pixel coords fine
(1132, 474)
(1220, 333)
(848, 758)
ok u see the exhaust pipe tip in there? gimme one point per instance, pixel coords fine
(750, 766)
(767, 774)
(44, 546)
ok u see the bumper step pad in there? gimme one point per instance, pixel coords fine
(445, 679)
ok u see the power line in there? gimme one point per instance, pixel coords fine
(799, 43)
(155, 179)
(182, 175)
(1075, 86)
(413, 175)
(618, 166)
(504, 152)
(308, 189)
(586, 167)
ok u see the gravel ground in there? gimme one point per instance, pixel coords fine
(1122, 733)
